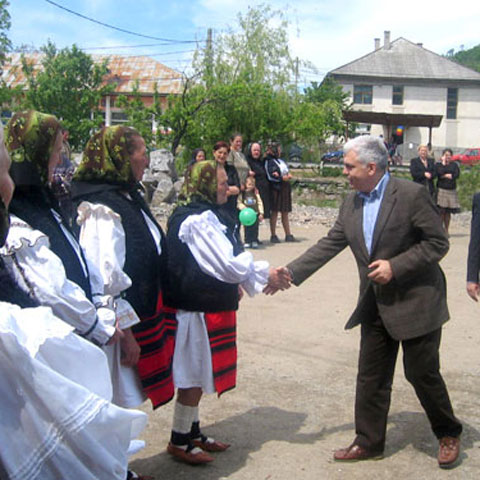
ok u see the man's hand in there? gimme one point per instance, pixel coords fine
(130, 349)
(278, 279)
(381, 271)
(116, 337)
(473, 289)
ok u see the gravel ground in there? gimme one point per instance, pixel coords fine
(293, 405)
(309, 215)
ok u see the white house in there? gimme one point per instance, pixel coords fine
(435, 99)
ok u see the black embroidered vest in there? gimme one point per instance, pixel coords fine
(189, 288)
(34, 207)
(143, 264)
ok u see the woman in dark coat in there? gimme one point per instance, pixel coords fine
(257, 166)
(280, 191)
(422, 169)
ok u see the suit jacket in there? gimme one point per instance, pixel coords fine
(473, 262)
(409, 234)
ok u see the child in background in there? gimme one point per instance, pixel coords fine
(251, 198)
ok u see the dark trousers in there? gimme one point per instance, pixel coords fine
(251, 233)
(376, 366)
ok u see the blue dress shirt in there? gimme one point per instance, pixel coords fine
(371, 207)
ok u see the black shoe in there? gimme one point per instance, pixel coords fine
(290, 238)
(274, 239)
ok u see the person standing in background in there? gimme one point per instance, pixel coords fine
(447, 173)
(237, 158)
(280, 191)
(422, 169)
(257, 166)
(250, 198)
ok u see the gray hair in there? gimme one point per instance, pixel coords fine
(368, 149)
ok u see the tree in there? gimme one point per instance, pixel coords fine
(6, 94)
(257, 52)
(5, 23)
(328, 89)
(319, 114)
(241, 83)
(244, 81)
(469, 58)
(139, 116)
(70, 86)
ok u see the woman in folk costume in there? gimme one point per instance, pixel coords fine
(41, 251)
(121, 237)
(205, 269)
(57, 420)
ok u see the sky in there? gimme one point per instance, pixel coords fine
(326, 33)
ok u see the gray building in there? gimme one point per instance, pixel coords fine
(403, 84)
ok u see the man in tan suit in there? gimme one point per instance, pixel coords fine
(396, 236)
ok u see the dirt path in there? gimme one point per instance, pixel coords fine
(293, 404)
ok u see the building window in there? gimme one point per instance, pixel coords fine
(397, 95)
(452, 101)
(362, 94)
(363, 129)
(119, 118)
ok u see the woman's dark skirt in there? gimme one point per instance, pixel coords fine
(281, 198)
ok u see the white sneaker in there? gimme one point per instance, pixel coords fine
(247, 245)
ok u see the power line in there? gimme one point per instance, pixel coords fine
(147, 54)
(129, 46)
(117, 28)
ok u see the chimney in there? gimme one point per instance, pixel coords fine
(386, 42)
(420, 45)
(377, 43)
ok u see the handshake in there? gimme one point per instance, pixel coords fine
(279, 278)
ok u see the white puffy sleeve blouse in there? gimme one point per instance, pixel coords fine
(204, 235)
(102, 238)
(39, 272)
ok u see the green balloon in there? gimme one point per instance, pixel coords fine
(247, 216)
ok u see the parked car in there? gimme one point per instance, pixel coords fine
(333, 157)
(470, 156)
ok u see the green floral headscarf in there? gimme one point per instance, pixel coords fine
(30, 138)
(200, 183)
(106, 158)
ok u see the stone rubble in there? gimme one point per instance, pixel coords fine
(306, 215)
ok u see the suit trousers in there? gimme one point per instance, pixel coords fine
(376, 367)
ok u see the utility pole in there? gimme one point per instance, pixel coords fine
(209, 59)
(296, 75)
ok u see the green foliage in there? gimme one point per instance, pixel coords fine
(243, 83)
(469, 58)
(328, 89)
(467, 184)
(6, 94)
(5, 23)
(139, 116)
(247, 81)
(256, 53)
(69, 85)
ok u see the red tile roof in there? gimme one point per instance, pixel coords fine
(125, 71)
